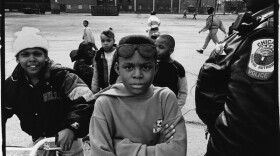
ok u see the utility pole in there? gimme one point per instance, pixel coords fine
(171, 10)
(154, 2)
(134, 5)
(215, 6)
(198, 5)
(179, 6)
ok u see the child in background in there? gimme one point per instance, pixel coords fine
(104, 61)
(88, 36)
(48, 99)
(185, 14)
(194, 15)
(153, 24)
(171, 73)
(130, 117)
(83, 58)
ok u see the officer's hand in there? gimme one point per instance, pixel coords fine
(166, 133)
(65, 139)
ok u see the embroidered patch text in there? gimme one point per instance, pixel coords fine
(261, 63)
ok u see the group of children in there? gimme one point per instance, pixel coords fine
(126, 97)
(170, 73)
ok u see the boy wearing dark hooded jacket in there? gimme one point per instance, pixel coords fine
(48, 99)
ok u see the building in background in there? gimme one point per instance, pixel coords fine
(132, 6)
(73, 6)
(20, 5)
(146, 6)
(222, 6)
(128, 6)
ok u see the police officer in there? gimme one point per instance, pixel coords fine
(236, 92)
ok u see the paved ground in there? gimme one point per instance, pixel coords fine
(64, 32)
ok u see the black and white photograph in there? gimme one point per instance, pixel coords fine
(139, 78)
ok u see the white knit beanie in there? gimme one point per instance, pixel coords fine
(29, 37)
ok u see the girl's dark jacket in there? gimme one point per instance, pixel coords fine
(100, 78)
(59, 100)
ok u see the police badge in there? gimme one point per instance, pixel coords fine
(261, 63)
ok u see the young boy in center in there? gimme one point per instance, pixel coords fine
(171, 73)
(129, 118)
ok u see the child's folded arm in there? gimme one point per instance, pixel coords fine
(99, 133)
(100, 139)
(102, 132)
(177, 146)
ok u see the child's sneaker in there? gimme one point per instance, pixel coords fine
(200, 51)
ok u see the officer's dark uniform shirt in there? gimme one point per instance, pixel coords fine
(236, 99)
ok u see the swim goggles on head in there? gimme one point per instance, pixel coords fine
(145, 50)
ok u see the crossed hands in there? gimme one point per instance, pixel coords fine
(166, 133)
(66, 137)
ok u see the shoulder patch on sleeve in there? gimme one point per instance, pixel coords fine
(261, 63)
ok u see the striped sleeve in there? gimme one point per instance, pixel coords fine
(74, 87)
